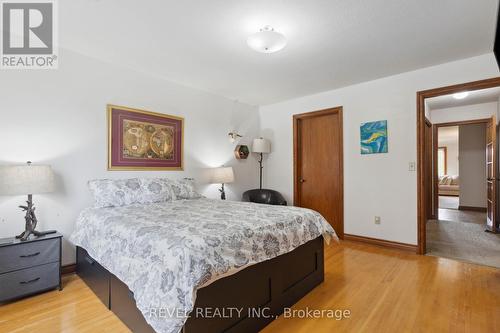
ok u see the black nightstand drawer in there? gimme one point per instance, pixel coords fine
(28, 254)
(27, 281)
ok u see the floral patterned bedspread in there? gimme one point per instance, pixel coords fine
(165, 251)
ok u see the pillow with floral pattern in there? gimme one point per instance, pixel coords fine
(115, 192)
(184, 189)
(155, 190)
(122, 192)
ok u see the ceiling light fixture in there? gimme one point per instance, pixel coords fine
(266, 40)
(461, 95)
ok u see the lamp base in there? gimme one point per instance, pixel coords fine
(31, 222)
(222, 192)
(25, 235)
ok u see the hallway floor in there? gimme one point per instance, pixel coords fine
(460, 235)
(448, 202)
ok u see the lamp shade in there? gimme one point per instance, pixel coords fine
(26, 179)
(222, 175)
(261, 145)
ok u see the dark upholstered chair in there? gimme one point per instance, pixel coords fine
(264, 196)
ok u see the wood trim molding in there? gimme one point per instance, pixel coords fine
(435, 177)
(463, 122)
(474, 85)
(421, 96)
(434, 210)
(472, 208)
(381, 242)
(68, 269)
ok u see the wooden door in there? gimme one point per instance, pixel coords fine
(491, 172)
(318, 165)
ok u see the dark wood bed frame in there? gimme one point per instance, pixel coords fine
(267, 288)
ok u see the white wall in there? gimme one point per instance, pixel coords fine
(58, 117)
(466, 112)
(452, 156)
(378, 184)
(472, 150)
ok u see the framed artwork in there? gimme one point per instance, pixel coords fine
(143, 140)
(374, 137)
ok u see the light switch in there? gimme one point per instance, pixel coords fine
(412, 166)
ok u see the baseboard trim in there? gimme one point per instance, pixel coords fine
(475, 209)
(381, 242)
(68, 269)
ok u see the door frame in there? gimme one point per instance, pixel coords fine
(431, 214)
(421, 97)
(296, 118)
(435, 147)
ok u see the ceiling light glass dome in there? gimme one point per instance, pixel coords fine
(266, 40)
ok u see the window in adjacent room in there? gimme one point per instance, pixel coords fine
(442, 157)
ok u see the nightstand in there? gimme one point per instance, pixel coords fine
(29, 267)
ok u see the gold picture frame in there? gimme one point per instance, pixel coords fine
(116, 117)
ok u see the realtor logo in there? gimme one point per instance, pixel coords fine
(28, 34)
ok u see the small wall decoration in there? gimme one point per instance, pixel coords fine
(143, 140)
(374, 137)
(241, 152)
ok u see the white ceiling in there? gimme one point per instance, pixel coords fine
(331, 43)
(474, 97)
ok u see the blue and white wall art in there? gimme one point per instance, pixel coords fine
(374, 137)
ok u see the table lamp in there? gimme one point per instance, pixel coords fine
(222, 175)
(261, 146)
(27, 179)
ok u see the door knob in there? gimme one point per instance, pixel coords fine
(302, 180)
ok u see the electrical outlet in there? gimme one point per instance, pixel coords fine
(377, 219)
(412, 166)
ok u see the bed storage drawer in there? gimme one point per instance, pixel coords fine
(123, 305)
(94, 275)
(236, 300)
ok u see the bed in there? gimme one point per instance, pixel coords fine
(168, 266)
(449, 185)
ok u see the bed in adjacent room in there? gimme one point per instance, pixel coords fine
(153, 263)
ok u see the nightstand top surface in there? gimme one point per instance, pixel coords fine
(14, 241)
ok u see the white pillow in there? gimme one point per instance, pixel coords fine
(443, 180)
(184, 189)
(122, 192)
(155, 190)
(115, 192)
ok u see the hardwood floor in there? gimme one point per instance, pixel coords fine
(75, 309)
(385, 290)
